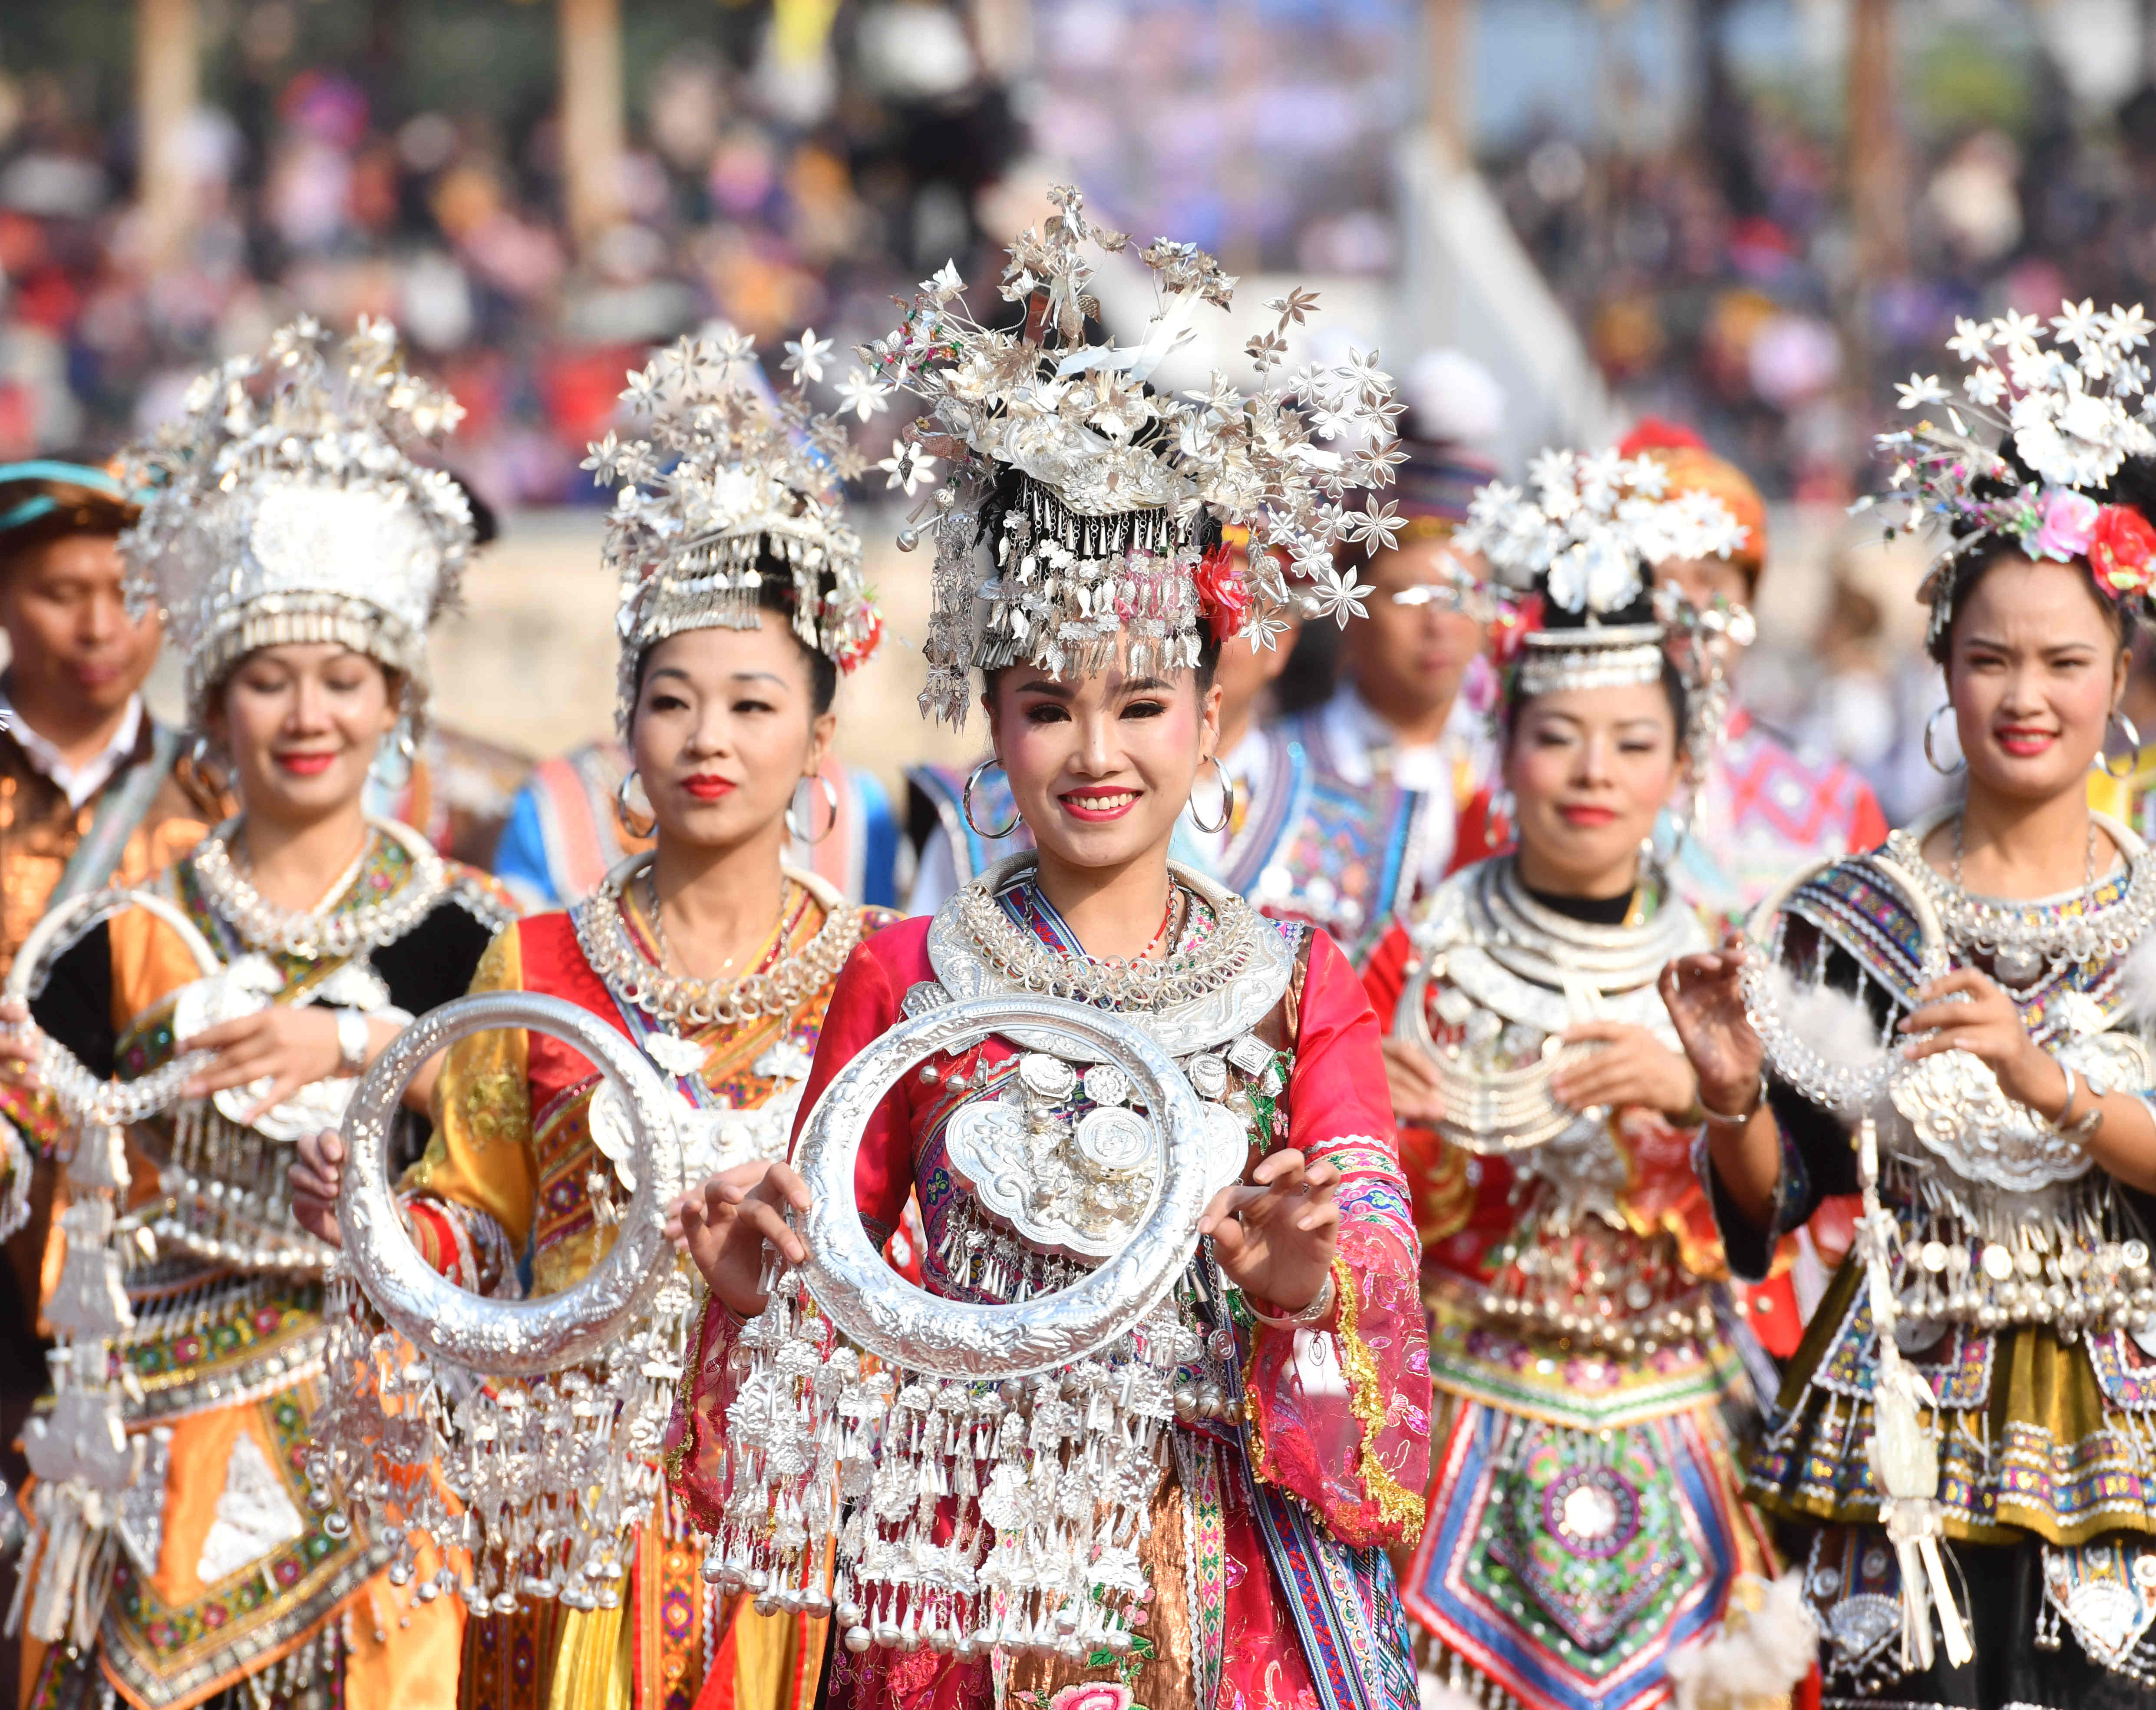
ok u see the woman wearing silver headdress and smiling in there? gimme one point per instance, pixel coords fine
(741, 604)
(1181, 1518)
(299, 551)
(1585, 1538)
(1958, 1026)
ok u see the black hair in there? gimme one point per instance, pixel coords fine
(1641, 610)
(79, 511)
(1981, 551)
(775, 594)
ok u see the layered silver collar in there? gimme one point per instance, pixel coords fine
(1508, 953)
(1238, 975)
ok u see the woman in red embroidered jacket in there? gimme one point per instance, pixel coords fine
(714, 958)
(1300, 1443)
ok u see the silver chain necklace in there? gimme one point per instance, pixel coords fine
(677, 1000)
(323, 931)
(2023, 938)
(1112, 981)
(666, 954)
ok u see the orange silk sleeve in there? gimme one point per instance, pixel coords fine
(149, 961)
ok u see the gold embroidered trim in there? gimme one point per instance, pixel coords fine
(1366, 1400)
(496, 1106)
(1254, 1422)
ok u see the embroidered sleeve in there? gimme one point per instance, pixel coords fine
(1340, 1415)
(34, 1116)
(464, 1244)
(479, 1157)
(696, 1437)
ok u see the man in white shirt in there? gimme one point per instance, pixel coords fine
(88, 790)
(89, 793)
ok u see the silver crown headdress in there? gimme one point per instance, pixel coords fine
(286, 507)
(2073, 414)
(733, 477)
(1583, 542)
(1101, 492)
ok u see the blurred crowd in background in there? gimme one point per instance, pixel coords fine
(793, 162)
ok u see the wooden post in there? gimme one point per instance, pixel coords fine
(591, 120)
(1450, 24)
(168, 85)
(1878, 168)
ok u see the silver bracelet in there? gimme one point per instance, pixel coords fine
(1316, 1312)
(1721, 1119)
(353, 1040)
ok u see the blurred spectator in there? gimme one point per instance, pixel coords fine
(783, 169)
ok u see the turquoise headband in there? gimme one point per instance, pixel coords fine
(42, 468)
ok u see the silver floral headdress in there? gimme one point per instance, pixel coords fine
(1102, 497)
(2072, 413)
(1581, 536)
(287, 507)
(733, 477)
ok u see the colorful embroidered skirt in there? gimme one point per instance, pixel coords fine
(2047, 1480)
(1585, 1520)
(226, 1583)
(2041, 1436)
(672, 1634)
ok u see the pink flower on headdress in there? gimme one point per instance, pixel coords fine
(2067, 525)
(2121, 549)
(1509, 634)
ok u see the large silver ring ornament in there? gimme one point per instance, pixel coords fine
(66, 925)
(496, 1338)
(884, 1315)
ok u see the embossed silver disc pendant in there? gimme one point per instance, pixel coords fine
(1040, 1423)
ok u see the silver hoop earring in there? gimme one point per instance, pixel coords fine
(2133, 745)
(628, 814)
(1227, 802)
(1654, 858)
(966, 806)
(1503, 808)
(830, 800)
(400, 743)
(1932, 758)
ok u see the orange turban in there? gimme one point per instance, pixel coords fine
(1693, 469)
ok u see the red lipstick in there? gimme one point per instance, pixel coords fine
(1098, 806)
(305, 765)
(1586, 814)
(2023, 741)
(708, 786)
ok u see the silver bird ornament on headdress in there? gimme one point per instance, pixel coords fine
(734, 476)
(1097, 494)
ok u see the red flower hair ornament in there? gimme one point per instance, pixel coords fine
(2122, 545)
(1516, 619)
(1223, 597)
